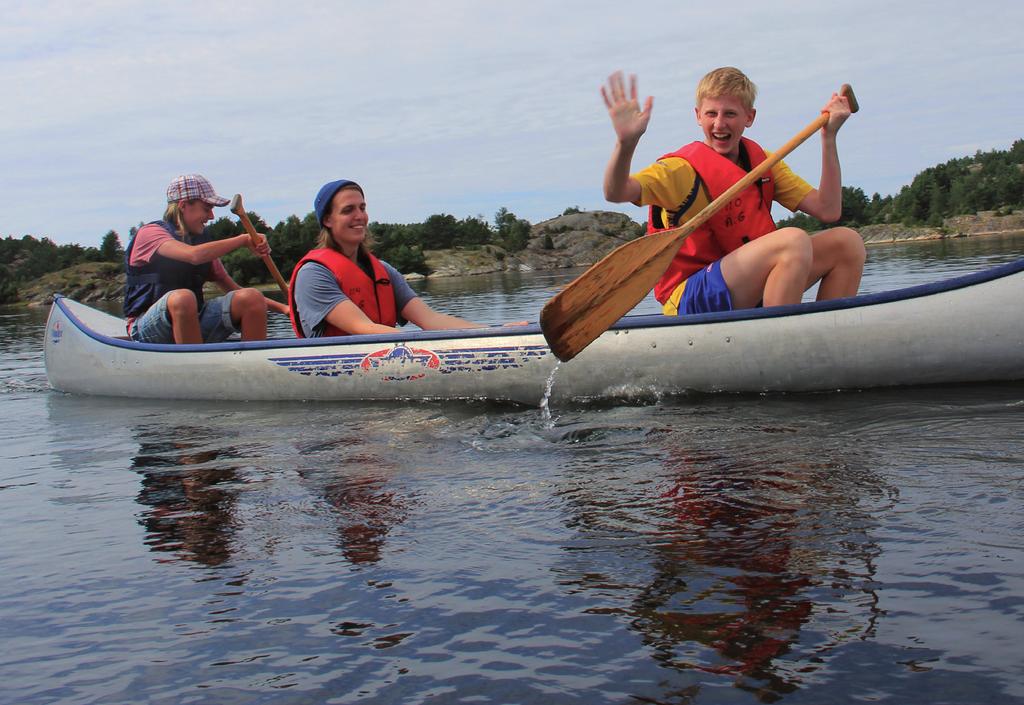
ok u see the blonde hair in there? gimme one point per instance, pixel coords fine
(326, 240)
(173, 216)
(727, 81)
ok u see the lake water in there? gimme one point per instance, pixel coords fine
(830, 548)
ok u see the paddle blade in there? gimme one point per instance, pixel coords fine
(599, 297)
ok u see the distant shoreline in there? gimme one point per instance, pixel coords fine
(576, 240)
(980, 224)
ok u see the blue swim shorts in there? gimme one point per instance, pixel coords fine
(703, 292)
(154, 326)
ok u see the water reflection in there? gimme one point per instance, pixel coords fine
(21, 369)
(754, 603)
(704, 550)
(369, 510)
(353, 479)
(761, 560)
(189, 491)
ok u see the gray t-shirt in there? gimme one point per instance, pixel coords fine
(317, 293)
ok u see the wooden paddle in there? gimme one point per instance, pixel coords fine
(607, 291)
(238, 209)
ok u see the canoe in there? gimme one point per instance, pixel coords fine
(965, 329)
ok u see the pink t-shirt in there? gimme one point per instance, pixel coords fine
(148, 241)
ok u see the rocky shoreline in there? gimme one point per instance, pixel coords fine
(572, 240)
(984, 223)
(581, 239)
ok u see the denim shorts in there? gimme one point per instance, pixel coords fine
(704, 291)
(154, 326)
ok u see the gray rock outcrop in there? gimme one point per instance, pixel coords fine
(572, 240)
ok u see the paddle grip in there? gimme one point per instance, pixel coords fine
(846, 90)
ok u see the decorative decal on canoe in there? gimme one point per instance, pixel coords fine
(56, 333)
(401, 363)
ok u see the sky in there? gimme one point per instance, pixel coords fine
(462, 106)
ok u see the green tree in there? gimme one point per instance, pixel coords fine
(936, 206)
(512, 233)
(1009, 185)
(406, 258)
(855, 207)
(439, 232)
(802, 221)
(291, 239)
(400, 246)
(226, 227)
(472, 232)
(8, 286)
(243, 266)
(110, 248)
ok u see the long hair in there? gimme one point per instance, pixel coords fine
(173, 216)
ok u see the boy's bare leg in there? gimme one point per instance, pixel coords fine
(839, 256)
(773, 268)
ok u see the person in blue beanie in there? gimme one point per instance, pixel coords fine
(341, 288)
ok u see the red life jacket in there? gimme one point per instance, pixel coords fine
(374, 297)
(747, 217)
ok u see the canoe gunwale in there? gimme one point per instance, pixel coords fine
(860, 301)
(633, 322)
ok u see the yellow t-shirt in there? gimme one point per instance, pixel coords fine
(670, 184)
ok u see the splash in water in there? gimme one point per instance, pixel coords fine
(545, 408)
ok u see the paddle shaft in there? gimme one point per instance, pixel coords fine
(238, 209)
(599, 297)
(752, 176)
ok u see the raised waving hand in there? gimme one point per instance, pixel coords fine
(629, 121)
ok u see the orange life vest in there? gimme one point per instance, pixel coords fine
(747, 217)
(375, 297)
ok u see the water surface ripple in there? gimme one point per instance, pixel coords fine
(838, 548)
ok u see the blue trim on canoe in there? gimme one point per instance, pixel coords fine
(626, 323)
(862, 301)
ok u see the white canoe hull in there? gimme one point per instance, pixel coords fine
(969, 329)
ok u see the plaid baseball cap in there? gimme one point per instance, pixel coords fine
(188, 187)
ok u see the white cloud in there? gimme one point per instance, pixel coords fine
(461, 106)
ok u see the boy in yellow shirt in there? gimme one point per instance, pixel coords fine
(738, 259)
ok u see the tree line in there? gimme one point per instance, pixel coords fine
(403, 245)
(25, 259)
(987, 181)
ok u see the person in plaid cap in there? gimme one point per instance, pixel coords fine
(168, 261)
(191, 187)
